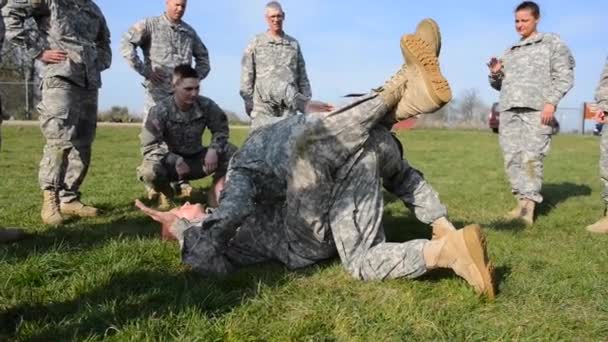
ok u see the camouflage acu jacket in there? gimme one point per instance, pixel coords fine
(168, 130)
(267, 59)
(601, 95)
(536, 71)
(164, 45)
(75, 26)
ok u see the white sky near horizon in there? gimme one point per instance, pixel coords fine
(352, 46)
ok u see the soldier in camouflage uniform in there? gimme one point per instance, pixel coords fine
(601, 97)
(166, 42)
(11, 234)
(73, 42)
(171, 137)
(271, 56)
(532, 77)
(309, 188)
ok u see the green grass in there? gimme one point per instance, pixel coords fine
(111, 277)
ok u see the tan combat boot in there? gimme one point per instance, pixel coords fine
(428, 30)
(8, 235)
(185, 190)
(50, 213)
(427, 90)
(441, 227)
(164, 203)
(599, 227)
(464, 251)
(77, 208)
(515, 213)
(527, 211)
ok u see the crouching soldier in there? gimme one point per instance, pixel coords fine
(171, 138)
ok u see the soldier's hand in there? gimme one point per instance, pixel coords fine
(53, 56)
(210, 162)
(548, 114)
(157, 76)
(165, 218)
(318, 107)
(182, 167)
(494, 65)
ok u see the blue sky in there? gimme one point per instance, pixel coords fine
(353, 45)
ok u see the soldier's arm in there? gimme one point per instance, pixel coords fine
(104, 51)
(153, 145)
(201, 57)
(601, 95)
(218, 125)
(15, 14)
(248, 76)
(303, 82)
(292, 99)
(562, 73)
(135, 37)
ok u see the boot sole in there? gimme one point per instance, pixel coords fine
(476, 244)
(418, 52)
(432, 24)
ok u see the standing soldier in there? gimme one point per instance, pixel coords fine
(601, 96)
(166, 42)
(72, 40)
(6, 235)
(271, 56)
(532, 77)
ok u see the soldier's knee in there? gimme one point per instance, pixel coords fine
(151, 173)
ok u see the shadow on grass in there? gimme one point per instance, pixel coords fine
(129, 297)
(555, 194)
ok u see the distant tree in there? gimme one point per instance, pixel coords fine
(115, 114)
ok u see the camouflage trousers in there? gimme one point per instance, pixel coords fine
(159, 174)
(525, 142)
(604, 165)
(333, 203)
(68, 120)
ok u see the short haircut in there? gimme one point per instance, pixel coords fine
(184, 71)
(530, 6)
(275, 5)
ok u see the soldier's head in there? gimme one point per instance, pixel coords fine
(175, 9)
(186, 85)
(274, 17)
(527, 16)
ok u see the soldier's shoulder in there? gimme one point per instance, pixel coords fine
(552, 38)
(290, 39)
(94, 6)
(163, 107)
(188, 28)
(206, 103)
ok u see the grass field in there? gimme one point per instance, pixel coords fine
(111, 277)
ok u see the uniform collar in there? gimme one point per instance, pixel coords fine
(173, 25)
(530, 40)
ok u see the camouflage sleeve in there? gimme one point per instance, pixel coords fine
(15, 14)
(218, 125)
(303, 82)
(135, 37)
(601, 95)
(201, 57)
(248, 75)
(153, 145)
(562, 73)
(104, 51)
